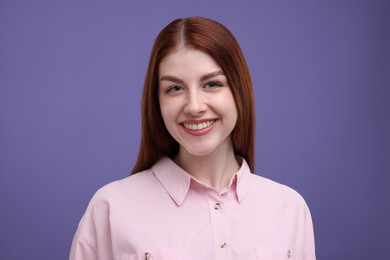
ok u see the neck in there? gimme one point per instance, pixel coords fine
(214, 169)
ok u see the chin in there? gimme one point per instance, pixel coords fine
(199, 152)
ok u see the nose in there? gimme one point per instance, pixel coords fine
(195, 104)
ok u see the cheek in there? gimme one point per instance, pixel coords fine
(232, 112)
(167, 111)
(164, 112)
(228, 105)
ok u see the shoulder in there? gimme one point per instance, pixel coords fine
(128, 187)
(267, 185)
(273, 191)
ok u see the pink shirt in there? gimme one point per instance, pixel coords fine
(165, 213)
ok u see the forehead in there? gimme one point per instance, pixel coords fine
(186, 61)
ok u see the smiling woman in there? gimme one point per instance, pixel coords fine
(192, 193)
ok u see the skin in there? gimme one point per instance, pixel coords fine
(199, 112)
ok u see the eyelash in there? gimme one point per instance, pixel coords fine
(214, 84)
(173, 89)
(210, 84)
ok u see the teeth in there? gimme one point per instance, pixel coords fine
(199, 126)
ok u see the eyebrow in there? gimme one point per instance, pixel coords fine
(211, 75)
(203, 78)
(171, 78)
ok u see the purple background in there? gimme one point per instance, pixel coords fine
(71, 75)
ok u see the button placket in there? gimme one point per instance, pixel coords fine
(220, 224)
(221, 229)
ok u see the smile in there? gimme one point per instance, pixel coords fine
(199, 126)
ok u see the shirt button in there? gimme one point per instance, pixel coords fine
(223, 245)
(147, 256)
(217, 206)
(289, 253)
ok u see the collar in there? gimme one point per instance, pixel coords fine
(177, 182)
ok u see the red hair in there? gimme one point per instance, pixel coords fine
(217, 41)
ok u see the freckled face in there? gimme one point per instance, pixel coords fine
(196, 102)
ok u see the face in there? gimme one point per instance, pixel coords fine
(196, 102)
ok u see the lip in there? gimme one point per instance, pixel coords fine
(199, 132)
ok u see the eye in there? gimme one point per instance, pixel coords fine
(173, 89)
(213, 84)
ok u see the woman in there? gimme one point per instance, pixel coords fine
(192, 194)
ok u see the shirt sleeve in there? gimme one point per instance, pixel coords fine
(309, 243)
(82, 249)
(93, 237)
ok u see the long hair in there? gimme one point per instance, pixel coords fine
(217, 41)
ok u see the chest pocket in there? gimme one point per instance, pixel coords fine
(160, 254)
(274, 253)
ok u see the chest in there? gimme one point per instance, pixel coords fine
(201, 228)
